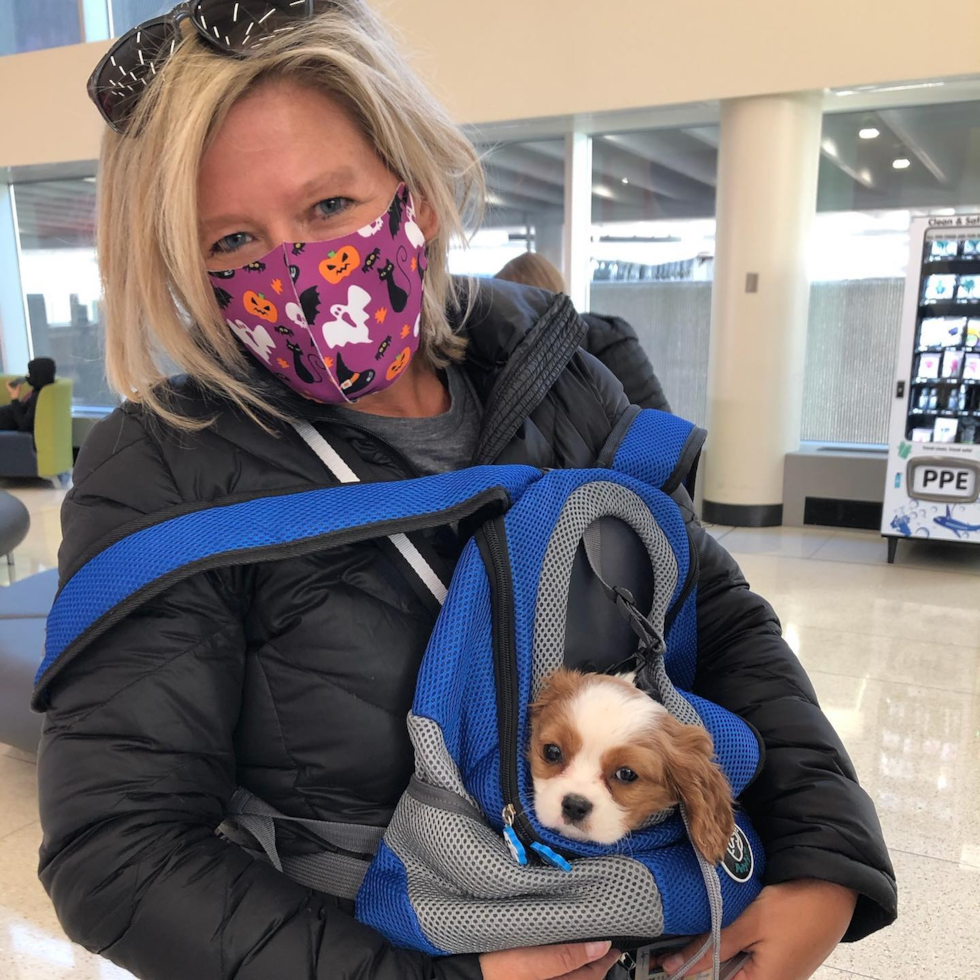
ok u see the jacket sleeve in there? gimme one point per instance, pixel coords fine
(814, 818)
(806, 803)
(136, 768)
(24, 412)
(614, 342)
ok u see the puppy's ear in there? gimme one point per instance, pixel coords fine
(559, 686)
(698, 781)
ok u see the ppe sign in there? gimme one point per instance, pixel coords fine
(945, 480)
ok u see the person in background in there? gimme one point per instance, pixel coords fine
(19, 415)
(610, 338)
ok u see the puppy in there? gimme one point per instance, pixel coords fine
(605, 757)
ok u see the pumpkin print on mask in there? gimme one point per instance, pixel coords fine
(399, 364)
(258, 305)
(340, 264)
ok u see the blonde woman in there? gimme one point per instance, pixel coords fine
(292, 144)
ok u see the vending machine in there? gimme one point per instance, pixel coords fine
(933, 480)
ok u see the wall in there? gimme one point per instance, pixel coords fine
(515, 59)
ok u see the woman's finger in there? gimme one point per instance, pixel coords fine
(596, 970)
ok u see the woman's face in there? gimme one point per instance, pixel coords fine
(288, 165)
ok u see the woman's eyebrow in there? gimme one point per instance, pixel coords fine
(338, 179)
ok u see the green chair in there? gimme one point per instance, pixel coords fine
(48, 454)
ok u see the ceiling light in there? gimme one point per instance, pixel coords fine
(626, 180)
(901, 163)
(869, 134)
(829, 147)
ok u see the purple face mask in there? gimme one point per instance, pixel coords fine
(334, 320)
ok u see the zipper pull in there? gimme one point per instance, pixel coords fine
(513, 842)
(551, 857)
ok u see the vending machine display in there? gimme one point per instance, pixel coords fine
(933, 483)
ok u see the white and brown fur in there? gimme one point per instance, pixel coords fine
(603, 725)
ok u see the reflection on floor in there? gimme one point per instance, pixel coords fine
(894, 653)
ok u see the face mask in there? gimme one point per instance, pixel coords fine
(334, 320)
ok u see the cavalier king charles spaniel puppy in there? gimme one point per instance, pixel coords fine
(605, 757)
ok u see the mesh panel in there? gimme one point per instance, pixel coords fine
(585, 506)
(433, 764)
(470, 896)
(736, 745)
(652, 446)
(383, 903)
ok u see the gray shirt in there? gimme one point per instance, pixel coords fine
(439, 443)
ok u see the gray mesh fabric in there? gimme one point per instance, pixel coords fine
(469, 894)
(433, 763)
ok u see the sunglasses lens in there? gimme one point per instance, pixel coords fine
(243, 25)
(129, 68)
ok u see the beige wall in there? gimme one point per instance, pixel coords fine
(493, 60)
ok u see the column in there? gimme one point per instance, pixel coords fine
(578, 218)
(15, 340)
(768, 161)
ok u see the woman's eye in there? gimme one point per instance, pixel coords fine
(552, 753)
(230, 243)
(333, 205)
(625, 775)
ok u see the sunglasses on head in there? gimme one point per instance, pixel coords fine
(232, 27)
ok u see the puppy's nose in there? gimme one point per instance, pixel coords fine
(575, 808)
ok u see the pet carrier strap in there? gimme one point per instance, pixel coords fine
(327, 871)
(332, 460)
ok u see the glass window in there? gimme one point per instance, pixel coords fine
(38, 24)
(525, 207)
(652, 249)
(60, 279)
(129, 13)
(878, 169)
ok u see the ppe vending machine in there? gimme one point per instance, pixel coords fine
(933, 480)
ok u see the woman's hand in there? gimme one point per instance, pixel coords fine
(14, 391)
(789, 930)
(576, 961)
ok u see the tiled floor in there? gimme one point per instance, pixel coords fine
(894, 653)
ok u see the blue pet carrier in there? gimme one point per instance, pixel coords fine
(464, 866)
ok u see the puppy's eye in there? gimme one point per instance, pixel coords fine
(552, 753)
(625, 775)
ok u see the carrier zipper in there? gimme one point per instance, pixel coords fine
(493, 537)
(518, 833)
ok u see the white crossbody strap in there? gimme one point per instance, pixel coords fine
(341, 471)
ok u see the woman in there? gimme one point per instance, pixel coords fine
(610, 338)
(19, 415)
(293, 678)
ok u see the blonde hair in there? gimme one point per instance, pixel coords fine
(158, 302)
(533, 269)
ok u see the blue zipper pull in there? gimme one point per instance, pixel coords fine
(550, 857)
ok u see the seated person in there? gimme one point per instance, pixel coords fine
(18, 416)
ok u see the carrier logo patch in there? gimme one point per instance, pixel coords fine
(738, 861)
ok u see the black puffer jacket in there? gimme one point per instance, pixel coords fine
(293, 678)
(614, 342)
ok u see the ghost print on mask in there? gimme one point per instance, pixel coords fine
(336, 296)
